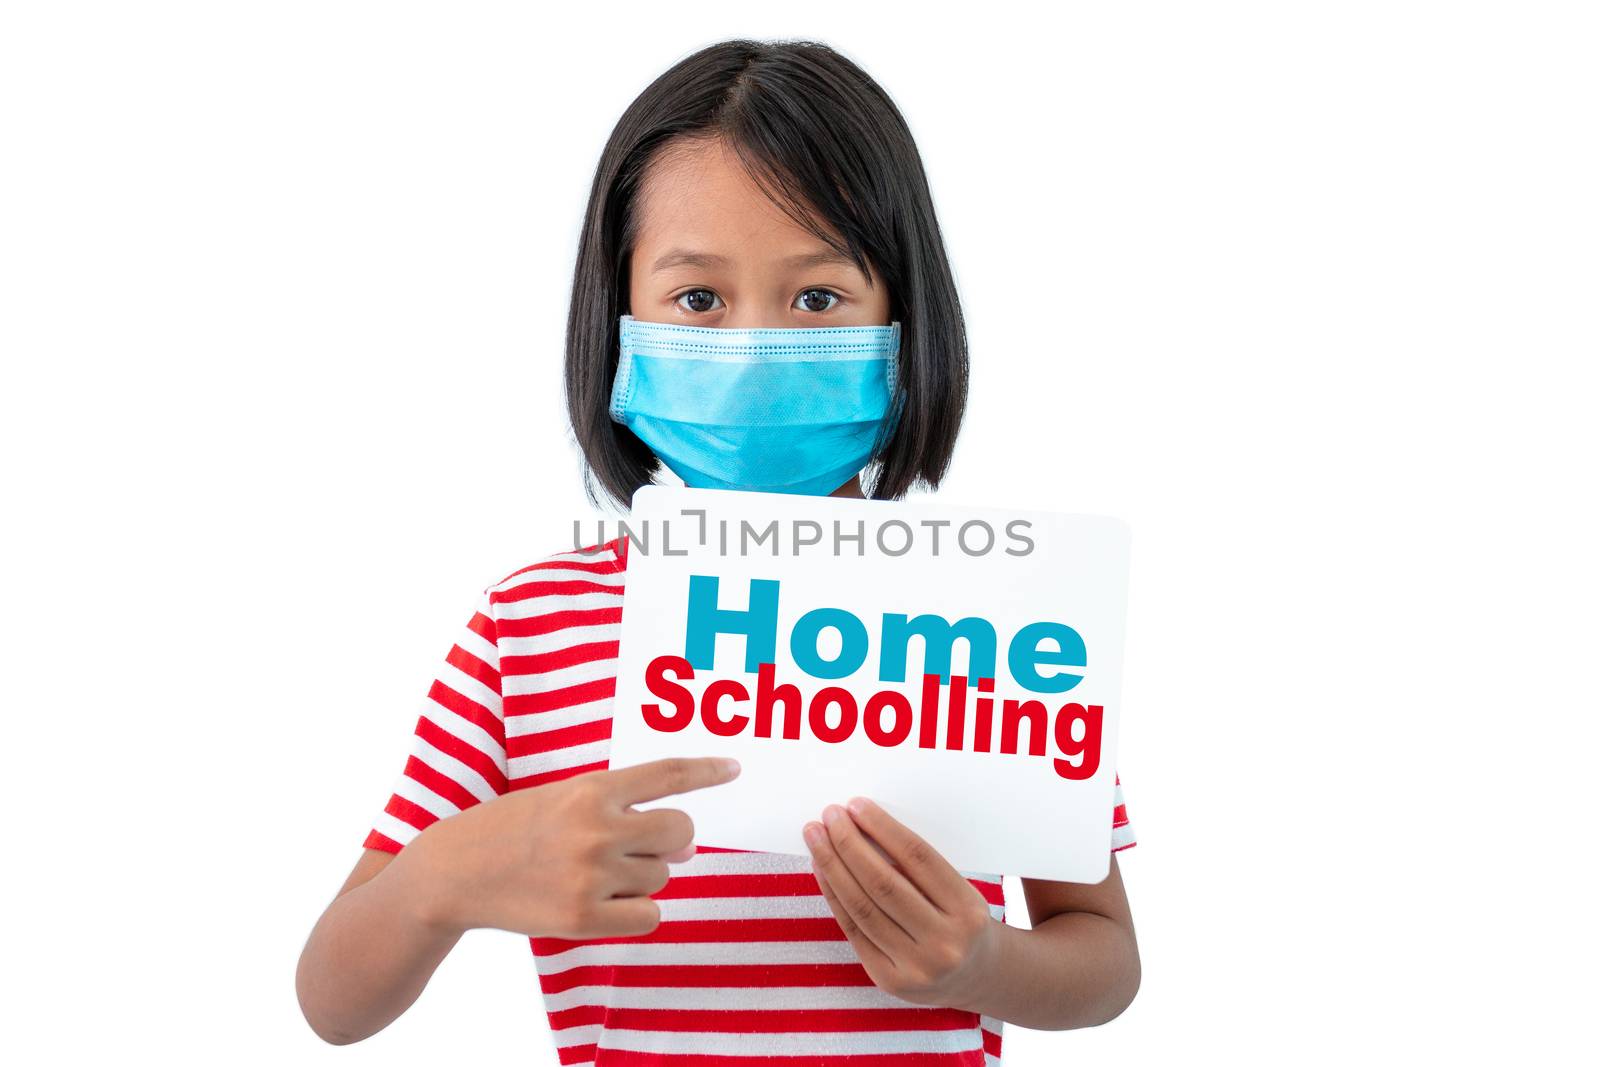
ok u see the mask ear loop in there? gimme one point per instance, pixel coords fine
(622, 383)
(890, 424)
(897, 401)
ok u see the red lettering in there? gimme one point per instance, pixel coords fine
(656, 681)
(1085, 752)
(983, 717)
(872, 718)
(1011, 714)
(708, 707)
(767, 694)
(819, 714)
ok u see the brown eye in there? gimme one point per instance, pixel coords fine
(700, 300)
(811, 298)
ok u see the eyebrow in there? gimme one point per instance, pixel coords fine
(684, 257)
(824, 258)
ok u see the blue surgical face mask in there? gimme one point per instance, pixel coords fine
(798, 410)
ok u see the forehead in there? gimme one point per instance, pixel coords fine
(698, 195)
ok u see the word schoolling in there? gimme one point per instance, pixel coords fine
(1042, 657)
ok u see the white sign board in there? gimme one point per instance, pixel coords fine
(960, 666)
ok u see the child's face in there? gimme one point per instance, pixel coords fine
(712, 250)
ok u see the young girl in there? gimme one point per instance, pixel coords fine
(752, 187)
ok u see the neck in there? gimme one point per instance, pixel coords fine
(851, 489)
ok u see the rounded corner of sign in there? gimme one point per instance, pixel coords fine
(644, 494)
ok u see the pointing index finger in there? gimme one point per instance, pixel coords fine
(669, 777)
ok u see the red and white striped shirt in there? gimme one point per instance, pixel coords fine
(747, 963)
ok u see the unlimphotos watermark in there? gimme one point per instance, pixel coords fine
(890, 538)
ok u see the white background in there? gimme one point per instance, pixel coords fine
(1306, 293)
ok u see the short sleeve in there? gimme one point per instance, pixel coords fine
(458, 747)
(1121, 828)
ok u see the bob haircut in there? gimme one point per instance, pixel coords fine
(832, 151)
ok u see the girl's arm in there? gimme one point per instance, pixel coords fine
(569, 859)
(373, 950)
(1078, 966)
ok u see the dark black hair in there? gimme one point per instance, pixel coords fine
(826, 143)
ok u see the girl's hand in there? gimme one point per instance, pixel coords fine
(570, 859)
(923, 932)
